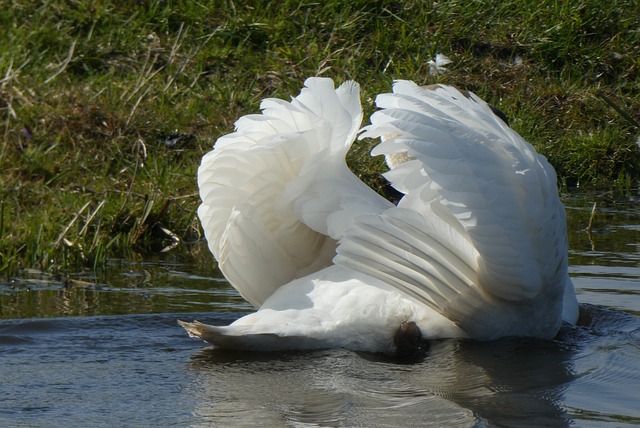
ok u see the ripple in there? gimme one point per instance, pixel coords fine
(6, 339)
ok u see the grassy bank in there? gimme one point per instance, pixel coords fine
(107, 106)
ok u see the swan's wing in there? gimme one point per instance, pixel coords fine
(326, 196)
(259, 218)
(469, 168)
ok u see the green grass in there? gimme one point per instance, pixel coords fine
(91, 91)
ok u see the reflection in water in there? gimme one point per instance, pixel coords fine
(513, 382)
(125, 287)
(587, 375)
(142, 370)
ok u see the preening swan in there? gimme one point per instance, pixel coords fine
(476, 248)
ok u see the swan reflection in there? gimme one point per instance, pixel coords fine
(457, 383)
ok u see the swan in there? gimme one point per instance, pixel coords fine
(475, 248)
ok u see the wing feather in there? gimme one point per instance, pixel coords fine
(425, 257)
(493, 182)
(277, 193)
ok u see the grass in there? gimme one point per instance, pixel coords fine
(106, 107)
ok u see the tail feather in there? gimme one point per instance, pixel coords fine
(240, 339)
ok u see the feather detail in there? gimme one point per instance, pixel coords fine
(427, 258)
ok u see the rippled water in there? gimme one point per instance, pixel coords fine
(105, 350)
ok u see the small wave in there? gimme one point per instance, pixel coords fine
(35, 326)
(8, 339)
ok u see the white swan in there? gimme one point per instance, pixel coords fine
(476, 248)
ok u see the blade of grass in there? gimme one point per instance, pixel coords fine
(71, 223)
(64, 64)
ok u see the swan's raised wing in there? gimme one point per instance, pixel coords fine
(467, 171)
(267, 207)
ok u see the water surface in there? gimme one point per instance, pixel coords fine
(105, 350)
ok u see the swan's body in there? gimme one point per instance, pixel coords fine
(476, 248)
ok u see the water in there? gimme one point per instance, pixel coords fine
(105, 350)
